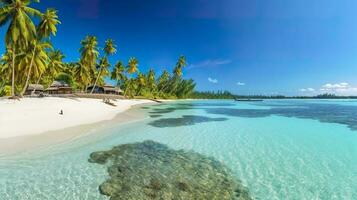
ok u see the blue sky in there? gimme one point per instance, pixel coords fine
(290, 47)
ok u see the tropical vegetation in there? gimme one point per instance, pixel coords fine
(213, 95)
(31, 58)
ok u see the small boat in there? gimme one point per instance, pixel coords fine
(249, 100)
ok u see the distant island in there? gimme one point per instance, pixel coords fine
(229, 95)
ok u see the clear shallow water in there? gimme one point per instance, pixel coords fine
(291, 149)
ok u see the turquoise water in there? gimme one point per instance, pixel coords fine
(279, 149)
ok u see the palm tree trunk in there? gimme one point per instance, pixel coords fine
(13, 72)
(174, 84)
(165, 86)
(95, 83)
(126, 89)
(127, 86)
(28, 74)
(139, 91)
(37, 82)
(161, 89)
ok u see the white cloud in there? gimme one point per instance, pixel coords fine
(307, 90)
(240, 84)
(209, 63)
(212, 80)
(342, 88)
(336, 86)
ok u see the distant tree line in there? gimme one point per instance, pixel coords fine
(212, 95)
(229, 95)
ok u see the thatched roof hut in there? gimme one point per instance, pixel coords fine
(59, 84)
(106, 89)
(37, 87)
(34, 88)
(59, 87)
(109, 89)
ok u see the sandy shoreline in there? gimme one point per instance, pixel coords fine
(47, 139)
(87, 133)
(32, 116)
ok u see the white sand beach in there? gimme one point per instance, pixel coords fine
(31, 116)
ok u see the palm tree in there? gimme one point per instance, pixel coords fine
(141, 82)
(45, 29)
(118, 72)
(81, 75)
(185, 87)
(21, 29)
(103, 66)
(69, 67)
(54, 67)
(131, 69)
(130, 87)
(89, 55)
(151, 80)
(109, 49)
(48, 24)
(5, 65)
(55, 64)
(163, 81)
(36, 59)
(132, 65)
(181, 63)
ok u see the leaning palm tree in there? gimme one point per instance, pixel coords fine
(151, 80)
(36, 60)
(55, 66)
(174, 83)
(109, 49)
(131, 69)
(81, 75)
(118, 72)
(141, 82)
(181, 63)
(21, 28)
(45, 29)
(163, 81)
(131, 86)
(103, 69)
(89, 55)
(185, 88)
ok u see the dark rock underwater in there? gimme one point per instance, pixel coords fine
(151, 170)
